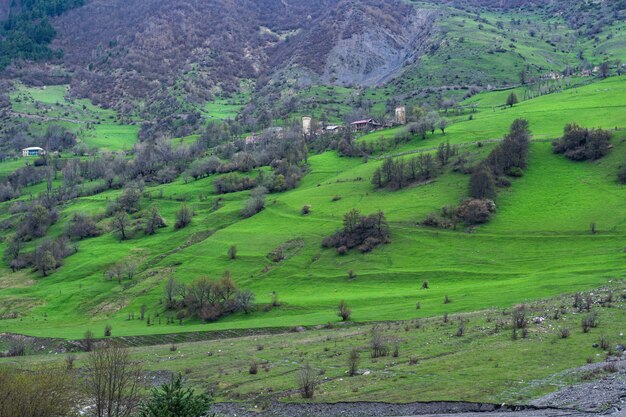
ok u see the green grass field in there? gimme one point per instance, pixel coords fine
(433, 362)
(537, 245)
(537, 251)
(98, 128)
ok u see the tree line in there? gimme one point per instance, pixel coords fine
(398, 173)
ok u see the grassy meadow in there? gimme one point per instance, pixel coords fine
(98, 128)
(466, 357)
(539, 244)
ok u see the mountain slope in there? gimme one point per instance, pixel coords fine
(538, 243)
(124, 51)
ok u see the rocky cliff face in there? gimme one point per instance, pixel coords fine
(360, 42)
(377, 53)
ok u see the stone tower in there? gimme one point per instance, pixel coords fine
(401, 115)
(306, 125)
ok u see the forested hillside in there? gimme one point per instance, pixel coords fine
(152, 60)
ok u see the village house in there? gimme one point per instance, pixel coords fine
(33, 151)
(333, 129)
(364, 125)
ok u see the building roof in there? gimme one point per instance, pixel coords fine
(33, 148)
(360, 122)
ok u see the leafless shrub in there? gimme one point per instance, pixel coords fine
(353, 362)
(88, 341)
(604, 342)
(378, 343)
(461, 330)
(344, 311)
(69, 361)
(306, 379)
(519, 318)
(589, 322)
(610, 368)
(254, 368)
(578, 302)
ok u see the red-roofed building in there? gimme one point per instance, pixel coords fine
(364, 125)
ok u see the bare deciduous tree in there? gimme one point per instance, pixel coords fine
(121, 224)
(113, 381)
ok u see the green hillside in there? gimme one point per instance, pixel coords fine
(538, 244)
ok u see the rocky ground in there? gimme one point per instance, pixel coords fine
(605, 396)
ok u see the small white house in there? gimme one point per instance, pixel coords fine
(33, 151)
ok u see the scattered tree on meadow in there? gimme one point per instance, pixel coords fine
(121, 224)
(154, 221)
(130, 199)
(476, 211)
(82, 226)
(344, 311)
(171, 290)
(210, 300)
(364, 232)
(183, 217)
(124, 269)
(45, 262)
(442, 125)
(581, 144)
(512, 100)
(232, 252)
